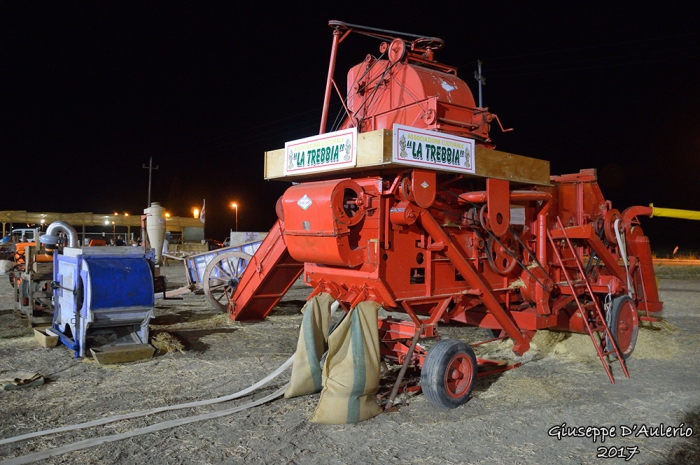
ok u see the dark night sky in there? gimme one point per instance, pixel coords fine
(91, 90)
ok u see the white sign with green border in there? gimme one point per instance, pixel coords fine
(432, 150)
(325, 152)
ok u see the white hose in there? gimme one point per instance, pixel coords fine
(623, 251)
(143, 413)
(80, 445)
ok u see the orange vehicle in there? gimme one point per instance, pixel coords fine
(31, 279)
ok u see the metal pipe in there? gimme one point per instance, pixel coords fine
(674, 213)
(542, 233)
(404, 367)
(61, 226)
(516, 196)
(329, 81)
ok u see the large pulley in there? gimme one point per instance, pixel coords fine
(609, 225)
(503, 253)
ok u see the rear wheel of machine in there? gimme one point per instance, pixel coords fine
(221, 277)
(623, 322)
(448, 374)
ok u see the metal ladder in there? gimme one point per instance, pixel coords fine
(598, 328)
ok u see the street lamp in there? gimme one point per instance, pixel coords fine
(195, 212)
(235, 205)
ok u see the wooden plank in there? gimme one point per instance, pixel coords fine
(122, 353)
(374, 151)
(274, 164)
(374, 148)
(511, 167)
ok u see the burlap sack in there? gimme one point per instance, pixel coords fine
(351, 370)
(313, 342)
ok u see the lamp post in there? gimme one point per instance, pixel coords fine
(235, 206)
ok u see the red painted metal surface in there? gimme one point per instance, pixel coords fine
(268, 276)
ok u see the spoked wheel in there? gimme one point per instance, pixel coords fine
(448, 374)
(221, 277)
(623, 321)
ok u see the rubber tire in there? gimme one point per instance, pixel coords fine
(618, 304)
(434, 374)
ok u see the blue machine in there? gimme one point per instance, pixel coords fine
(103, 296)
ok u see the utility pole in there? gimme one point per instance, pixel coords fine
(150, 168)
(482, 81)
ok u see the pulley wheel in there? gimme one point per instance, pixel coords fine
(484, 218)
(623, 321)
(396, 50)
(500, 260)
(448, 374)
(609, 225)
(221, 277)
(406, 191)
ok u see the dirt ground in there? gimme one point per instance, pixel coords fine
(512, 418)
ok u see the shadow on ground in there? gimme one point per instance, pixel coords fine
(688, 452)
(289, 307)
(181, 317)
(192, 339)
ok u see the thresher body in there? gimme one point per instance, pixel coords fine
(424, 216)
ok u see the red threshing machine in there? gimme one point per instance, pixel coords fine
(408, 204)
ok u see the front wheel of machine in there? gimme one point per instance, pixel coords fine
(624, 325)
(448, 374)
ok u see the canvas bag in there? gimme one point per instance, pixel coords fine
(312, 344)
(351, 369)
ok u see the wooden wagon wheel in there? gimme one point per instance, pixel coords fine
(221, 277)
